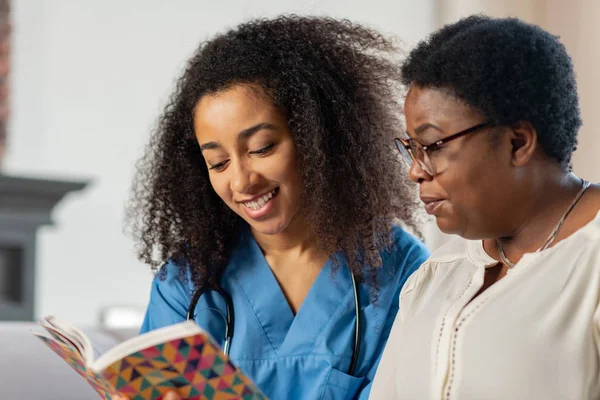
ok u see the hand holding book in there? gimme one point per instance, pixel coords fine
(182, 359)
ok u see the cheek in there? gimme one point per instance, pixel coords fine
(292, 174)
(283, 168)
(294, 181)
(472, 187)
(285, 173)
(220, 186)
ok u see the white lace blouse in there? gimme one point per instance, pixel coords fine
(535, 334)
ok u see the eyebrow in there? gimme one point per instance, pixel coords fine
(420, 129)
(242, 135)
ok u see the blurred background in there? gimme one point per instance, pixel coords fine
(81, 86)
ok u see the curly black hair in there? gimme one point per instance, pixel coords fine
(338, 84)
(509, 70)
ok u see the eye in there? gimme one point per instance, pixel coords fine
(219, 166)
(435, 149)
(264, 150)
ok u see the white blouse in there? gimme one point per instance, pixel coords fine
(535, 334)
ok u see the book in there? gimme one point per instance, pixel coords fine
(182, 358)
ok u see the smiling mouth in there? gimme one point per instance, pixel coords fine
(260, 203)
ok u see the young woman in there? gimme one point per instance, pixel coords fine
(271, 178)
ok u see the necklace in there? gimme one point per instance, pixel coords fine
(553, 234)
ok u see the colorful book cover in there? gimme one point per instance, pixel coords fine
(180, 358)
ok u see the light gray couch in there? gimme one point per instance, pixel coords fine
(29, 370)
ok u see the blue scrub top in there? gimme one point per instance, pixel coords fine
(299, 357)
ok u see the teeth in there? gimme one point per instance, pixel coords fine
(260, 203)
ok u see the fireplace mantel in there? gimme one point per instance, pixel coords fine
(26, 203)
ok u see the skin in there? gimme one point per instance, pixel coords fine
(249, 151)
(495, 183)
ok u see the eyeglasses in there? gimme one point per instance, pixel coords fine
(411, 150)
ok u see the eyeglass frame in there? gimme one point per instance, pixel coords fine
(405, 143)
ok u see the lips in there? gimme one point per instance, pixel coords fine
(432, 204)
(258, 202)
(259, 207)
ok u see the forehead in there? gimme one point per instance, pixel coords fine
(232, 110)
(425, 104)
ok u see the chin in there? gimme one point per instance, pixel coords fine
(448, 225)
(459, 228)
(268, 227)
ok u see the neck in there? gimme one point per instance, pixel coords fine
(549, 199)
(297, 239)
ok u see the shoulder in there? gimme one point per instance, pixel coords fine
(594, 225)
(404, 256)
(173, 278)
(169, 297)
(455, 254)
(454, 249)
(405, 242)
(584, 244)
(406, 248)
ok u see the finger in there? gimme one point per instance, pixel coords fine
(172, 396)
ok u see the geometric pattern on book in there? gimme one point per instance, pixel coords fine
(189, 366)
(71, 355)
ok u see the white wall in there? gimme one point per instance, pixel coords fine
(88, 81)
(576, 22)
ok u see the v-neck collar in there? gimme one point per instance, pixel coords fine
(321, 303)
(287, 334)
(262, 290)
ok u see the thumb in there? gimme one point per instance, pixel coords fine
(172, 396)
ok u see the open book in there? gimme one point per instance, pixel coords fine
(181, 357)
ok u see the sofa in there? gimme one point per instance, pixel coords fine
(29, 370)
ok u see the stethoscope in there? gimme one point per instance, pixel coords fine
(229, 317)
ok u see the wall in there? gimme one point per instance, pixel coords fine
(576, 22)
(88, 80)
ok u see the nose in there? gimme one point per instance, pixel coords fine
(243, 177)
(416, 173)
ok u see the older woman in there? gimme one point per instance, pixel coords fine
(510, 309)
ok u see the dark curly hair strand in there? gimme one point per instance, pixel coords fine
(337, 83)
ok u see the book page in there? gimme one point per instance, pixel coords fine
(63, 337)
(74, 335)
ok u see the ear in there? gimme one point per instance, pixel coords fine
(524, 142)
